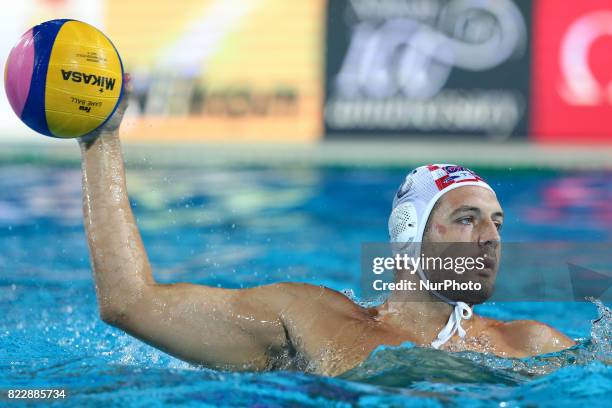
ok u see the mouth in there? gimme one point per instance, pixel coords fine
(489, 267)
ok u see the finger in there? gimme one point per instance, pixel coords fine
(128, 86)
(127, 91)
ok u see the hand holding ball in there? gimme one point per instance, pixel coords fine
(64, 78)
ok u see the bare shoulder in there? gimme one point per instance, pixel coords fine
(289, 290)
(316, 293)
(289, 295)
(535, 337)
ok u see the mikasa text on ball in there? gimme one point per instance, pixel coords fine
(64, 78)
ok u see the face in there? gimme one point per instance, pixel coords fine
(466, 224)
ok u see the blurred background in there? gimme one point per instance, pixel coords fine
(448, 72)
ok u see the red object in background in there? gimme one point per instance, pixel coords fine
(572, 71)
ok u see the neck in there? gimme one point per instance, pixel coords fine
(419, 312)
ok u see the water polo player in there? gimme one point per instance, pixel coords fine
(300, 326)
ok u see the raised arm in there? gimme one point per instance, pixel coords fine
(233, 329)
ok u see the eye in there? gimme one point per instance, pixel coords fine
(498, 225)
(466, 220)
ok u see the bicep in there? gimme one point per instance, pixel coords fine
(220, 328)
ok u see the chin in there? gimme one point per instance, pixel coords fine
(473, 297)
(487, 287)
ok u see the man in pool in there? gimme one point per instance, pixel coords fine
(293, 325)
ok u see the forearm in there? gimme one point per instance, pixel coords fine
(121, 268)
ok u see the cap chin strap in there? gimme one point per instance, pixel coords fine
(461, 311)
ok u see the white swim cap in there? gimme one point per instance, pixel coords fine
(412, 206)
(417, 195)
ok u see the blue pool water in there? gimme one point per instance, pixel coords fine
(240, 227)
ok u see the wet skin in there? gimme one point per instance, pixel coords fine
(284, 325)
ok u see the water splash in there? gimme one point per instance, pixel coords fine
(601, 332)
(597, 348)
(407, 364)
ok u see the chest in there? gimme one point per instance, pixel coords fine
(331, 349)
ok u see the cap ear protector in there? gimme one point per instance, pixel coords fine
(403, 223)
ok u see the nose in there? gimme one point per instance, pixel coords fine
(489, 235)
